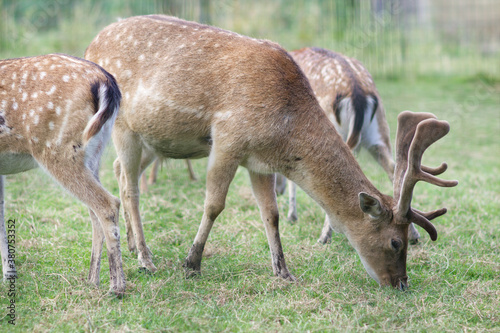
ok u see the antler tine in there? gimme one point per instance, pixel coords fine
(431, 215)
(422, 131)
(428, 131)
(407, 125)
(435, 171)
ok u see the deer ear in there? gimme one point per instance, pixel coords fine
(370, 205)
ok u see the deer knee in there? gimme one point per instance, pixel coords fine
(212, 210)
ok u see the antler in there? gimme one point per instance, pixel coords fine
(416, 132)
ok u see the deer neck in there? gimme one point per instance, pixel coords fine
(328, 172)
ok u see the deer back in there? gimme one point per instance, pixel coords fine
(49, 105)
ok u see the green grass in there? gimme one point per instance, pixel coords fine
(455, 281)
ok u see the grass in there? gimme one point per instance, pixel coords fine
(455, 281)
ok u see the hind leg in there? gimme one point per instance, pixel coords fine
(192, 175)
(97, 242)
(82, 182)
(292, 202)
(128, 170)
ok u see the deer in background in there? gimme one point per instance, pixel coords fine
(347, 94)
(193, 91)
(57, 112)
(145, 181)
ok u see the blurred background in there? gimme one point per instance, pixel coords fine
(393, 38)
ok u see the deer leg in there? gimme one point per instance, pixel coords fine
(192, 175)
(326, 232)
(292, 201)
(280, 184)
(264, 192)
(219, 176)
(97, 242)
(8, 269)
(148, 157)
(129, 149)
(130, 234)
(144, 183)
(83, 184)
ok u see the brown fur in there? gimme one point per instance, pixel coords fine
(193, 91)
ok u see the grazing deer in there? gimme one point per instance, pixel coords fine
(347, 94)
(145, 181)
(57, 112)
(192, 91)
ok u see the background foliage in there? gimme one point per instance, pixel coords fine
(392, 38)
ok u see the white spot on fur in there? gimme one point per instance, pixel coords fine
(25, 96)
(51, 91)
(223, 115)
(50, 105)
(51, 125)
(36, 120)
(58, 110)
(65, 78)
(34, 95)
(14, 105)
(141, 57)
(42, 75)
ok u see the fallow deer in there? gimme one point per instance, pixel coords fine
(192, 91)
(347, 94)
(57, 112)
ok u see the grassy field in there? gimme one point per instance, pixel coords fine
(454, 282)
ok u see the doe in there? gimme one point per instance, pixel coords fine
(56, 112)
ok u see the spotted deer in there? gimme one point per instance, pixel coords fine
(56, 112)
(193, 91)
(347, 94)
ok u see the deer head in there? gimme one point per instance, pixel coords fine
(384, 253)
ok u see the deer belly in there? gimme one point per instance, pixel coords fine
(11, 163)
(181, 149)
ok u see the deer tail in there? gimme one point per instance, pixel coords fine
(362, 106)
(106, 99)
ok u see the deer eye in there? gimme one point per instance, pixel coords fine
(396, 244)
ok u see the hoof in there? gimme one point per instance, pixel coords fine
(191, 270)
(144, 270)
(292, 218)
(118, 293)
(287, 276)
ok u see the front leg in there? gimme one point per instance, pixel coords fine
(264, 192)
(326, 232)
(220, 173)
